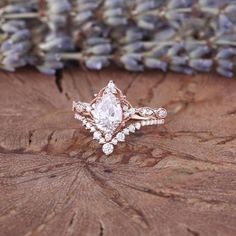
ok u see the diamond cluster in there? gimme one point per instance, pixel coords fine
(107, 114)
(108, 147)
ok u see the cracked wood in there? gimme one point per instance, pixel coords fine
(178, 179)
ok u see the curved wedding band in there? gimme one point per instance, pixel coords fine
(110, 117)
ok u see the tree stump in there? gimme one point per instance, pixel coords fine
(176, 179)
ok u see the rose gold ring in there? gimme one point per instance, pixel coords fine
(110, 117)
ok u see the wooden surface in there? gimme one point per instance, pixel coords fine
(178, 179)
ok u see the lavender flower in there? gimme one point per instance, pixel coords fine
(184, 36)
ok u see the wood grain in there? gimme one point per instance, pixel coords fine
(178, 179)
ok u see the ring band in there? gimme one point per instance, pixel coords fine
(110, 117)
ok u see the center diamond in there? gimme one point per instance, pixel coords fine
(107, 113)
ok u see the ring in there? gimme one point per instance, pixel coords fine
(110, 117)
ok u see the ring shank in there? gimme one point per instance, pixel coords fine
(138, 117)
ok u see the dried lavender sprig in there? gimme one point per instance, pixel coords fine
(143, 32)
(148, 8)
(193, 57)
(15, 44)
(58, 39)
(15, 48)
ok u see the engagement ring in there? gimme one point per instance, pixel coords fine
(110, 117)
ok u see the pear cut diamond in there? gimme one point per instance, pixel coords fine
(107, 113)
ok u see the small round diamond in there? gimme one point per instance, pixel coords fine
(107, 148)
(102, 141)
(120, 137)
(132, 128)
(162, 113)
(126, 131)
(88, 125)
(78, 107)
(92, 129)
(114, 141)
(97, 135)
(138, 126)
(108, 137)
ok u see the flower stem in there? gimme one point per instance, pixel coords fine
(28, 15)
(70, 56)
